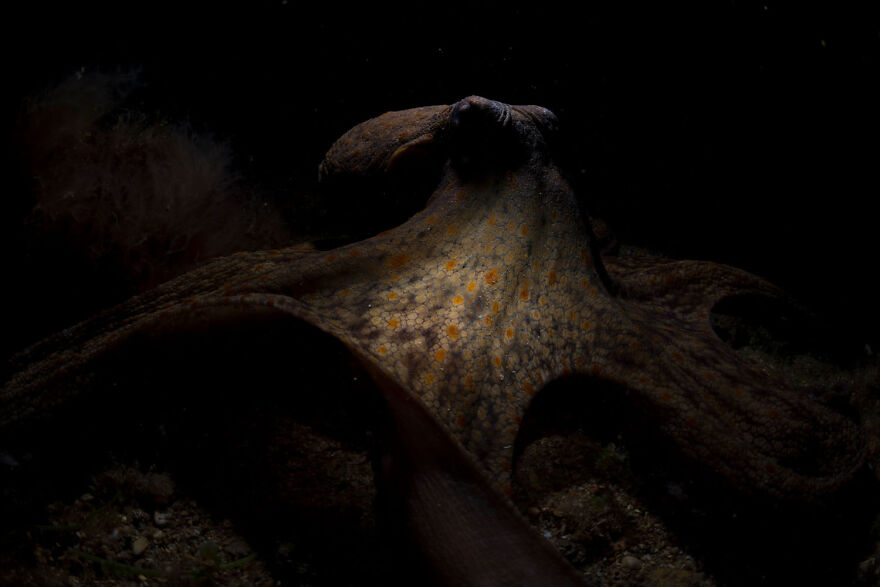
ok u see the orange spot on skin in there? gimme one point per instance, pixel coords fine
(472, 286)
(551, 277)
(492, 276)
(450, 229)
(384, 233)
(431, 219)
(450, 265)
(395, 277)
(469, 381)
(495, 307)
(585, 257)
(452, 331)
(354, 253)
(509, 333)
(429, 378)
(394, 323)
(457, 300)
(593, 292)
(536, 315)
(524, 295)
(345, 292)
(440, 355)
(383, 350)
(497, 361)
(398, 261)
(511, 225)
(587, 325)
(330, 258)
(524, 230)
(488, 320)
(492, 220)
(529, 388)
(392, 296)
(459, 195)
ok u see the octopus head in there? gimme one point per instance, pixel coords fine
(484, 134)
(475, 135)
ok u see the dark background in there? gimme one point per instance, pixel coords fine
(741, 132)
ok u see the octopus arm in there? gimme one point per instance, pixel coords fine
(688, 287)
(227, 289)
(467, 531)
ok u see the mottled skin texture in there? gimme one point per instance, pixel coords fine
(485, 296)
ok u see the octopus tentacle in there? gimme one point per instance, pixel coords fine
(692, 288)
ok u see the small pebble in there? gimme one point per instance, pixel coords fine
(630, 562)
(237, 548)
(139, 545)
(161, 518)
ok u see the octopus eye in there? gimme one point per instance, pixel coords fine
(475, 114)
(479, 133)
(543, 118)
(461, 113)
(548, 120)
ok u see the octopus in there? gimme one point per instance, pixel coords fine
(466, 311)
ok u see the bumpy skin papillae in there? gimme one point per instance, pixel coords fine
(488, 294)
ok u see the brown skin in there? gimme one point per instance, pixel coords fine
(465, 530)
(481, 299)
